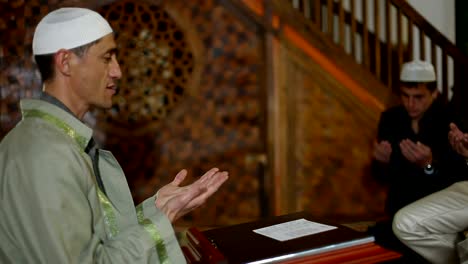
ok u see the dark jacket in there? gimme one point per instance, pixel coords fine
(407, 182)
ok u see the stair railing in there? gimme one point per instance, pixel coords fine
(384, 34)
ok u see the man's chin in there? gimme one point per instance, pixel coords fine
(415, 115)
(105, 105)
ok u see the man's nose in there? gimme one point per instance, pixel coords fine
(411, 101)
(115, 71)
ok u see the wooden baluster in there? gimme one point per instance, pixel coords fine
(341, 23)
(388, 32)
(318, 13)
(399, 39)
(353, 29)
(434, 56)
(410, 40)
(365, 35)
(457, 77)
(377, 38)
(422, 45)
(444, 74)
(330, 17)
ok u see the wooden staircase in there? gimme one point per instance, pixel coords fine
(328, 73)
(384, 35)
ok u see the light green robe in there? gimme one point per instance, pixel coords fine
(51, 210)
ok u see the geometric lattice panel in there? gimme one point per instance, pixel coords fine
(154, 55)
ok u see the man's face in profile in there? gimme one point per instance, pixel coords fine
(94, 75)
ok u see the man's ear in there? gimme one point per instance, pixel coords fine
(435, 93)
(62, 61)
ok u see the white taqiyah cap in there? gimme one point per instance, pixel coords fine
(417, 71)
(68, 28)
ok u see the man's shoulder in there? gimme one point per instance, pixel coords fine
(35, 138)
(440, 108)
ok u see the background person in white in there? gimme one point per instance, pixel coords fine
(433, 226)
(62, 200)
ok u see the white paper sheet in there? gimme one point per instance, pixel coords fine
(293, 229)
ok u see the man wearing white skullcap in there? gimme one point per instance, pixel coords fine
(63, 200)
(412, 155)
(436, 226)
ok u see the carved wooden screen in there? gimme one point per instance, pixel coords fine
(157, 62)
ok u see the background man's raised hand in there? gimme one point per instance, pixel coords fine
(458, 140)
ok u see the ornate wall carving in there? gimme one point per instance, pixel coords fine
(158, 63)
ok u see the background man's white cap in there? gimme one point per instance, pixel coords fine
(68, 28)
(417, 71)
